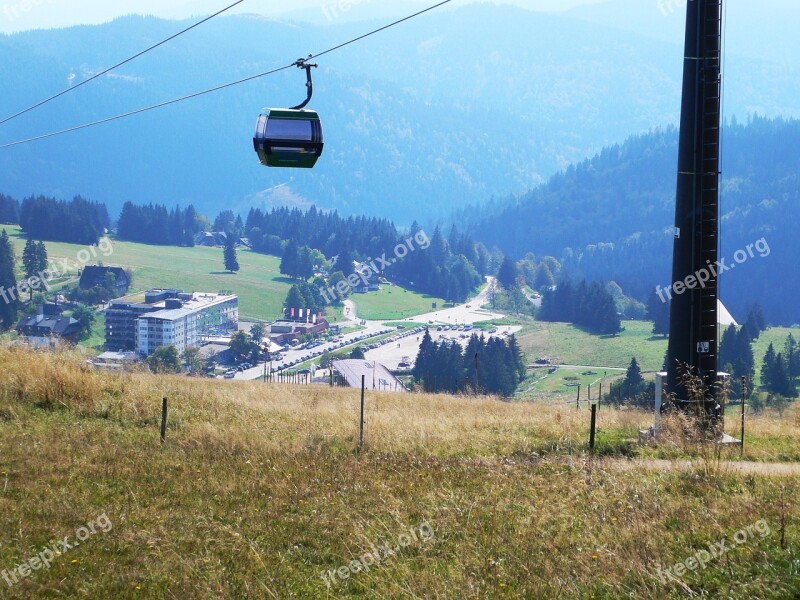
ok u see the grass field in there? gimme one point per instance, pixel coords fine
(567, 344)
(98, 337)
(543, 385)
(393, 303)
(258, 493)
(260, 286)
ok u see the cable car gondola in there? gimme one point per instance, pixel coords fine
(290, 137)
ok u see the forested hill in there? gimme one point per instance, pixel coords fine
(451, 109)
(611, 217)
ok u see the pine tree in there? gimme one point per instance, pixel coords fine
(756, 322)
(345, 262)
(792, 353)
(500, 377)
(517, 358)
(744, 363)
(9, 302)
(727, 347)
(633, 377)
(473, 348)
(30, 261)
(768, 368)
(305, 267)
(239, 226)
(295, 300)
(780, 383)
(658, 312)
(608, 320)
(423, 356)
(439, 250)
(41, 258)
(558, 305)
(29, 258)
(290, 259)
(507, 275)
(231, 262)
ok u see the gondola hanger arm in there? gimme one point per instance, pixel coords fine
(302, 64)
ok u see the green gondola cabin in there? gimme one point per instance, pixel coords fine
(288, 138)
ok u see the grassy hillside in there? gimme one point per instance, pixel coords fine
(567, 344)
(260, 286)
(562, 384)
(259, 493)
(393, 303)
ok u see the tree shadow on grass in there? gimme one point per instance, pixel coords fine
(221, 273)
(595, 334)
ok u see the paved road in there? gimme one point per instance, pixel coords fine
(390, 354)
(371, 330)
(470, 312)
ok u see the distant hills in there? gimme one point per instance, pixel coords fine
(611, 217)
(454, 108)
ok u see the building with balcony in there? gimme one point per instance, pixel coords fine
(169, 318)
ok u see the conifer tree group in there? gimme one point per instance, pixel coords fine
(493, 366)
(586, 305)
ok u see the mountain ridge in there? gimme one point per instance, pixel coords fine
(463, 106)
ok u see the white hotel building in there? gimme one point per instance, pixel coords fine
(186, 322)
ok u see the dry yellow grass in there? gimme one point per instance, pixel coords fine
(259, 489)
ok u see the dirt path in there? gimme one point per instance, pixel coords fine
(743, 468)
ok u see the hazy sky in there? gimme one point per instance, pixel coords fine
(20, 15)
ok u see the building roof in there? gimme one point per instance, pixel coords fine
(111, 357)
(214, 349)
(724, 316)
(153, 304)
(190, 307)
(53, 325)
(92, 274)
(377, 376)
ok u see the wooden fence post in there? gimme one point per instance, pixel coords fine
(361, 422)
(164, 422)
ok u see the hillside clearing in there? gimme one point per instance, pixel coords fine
(258, 493)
